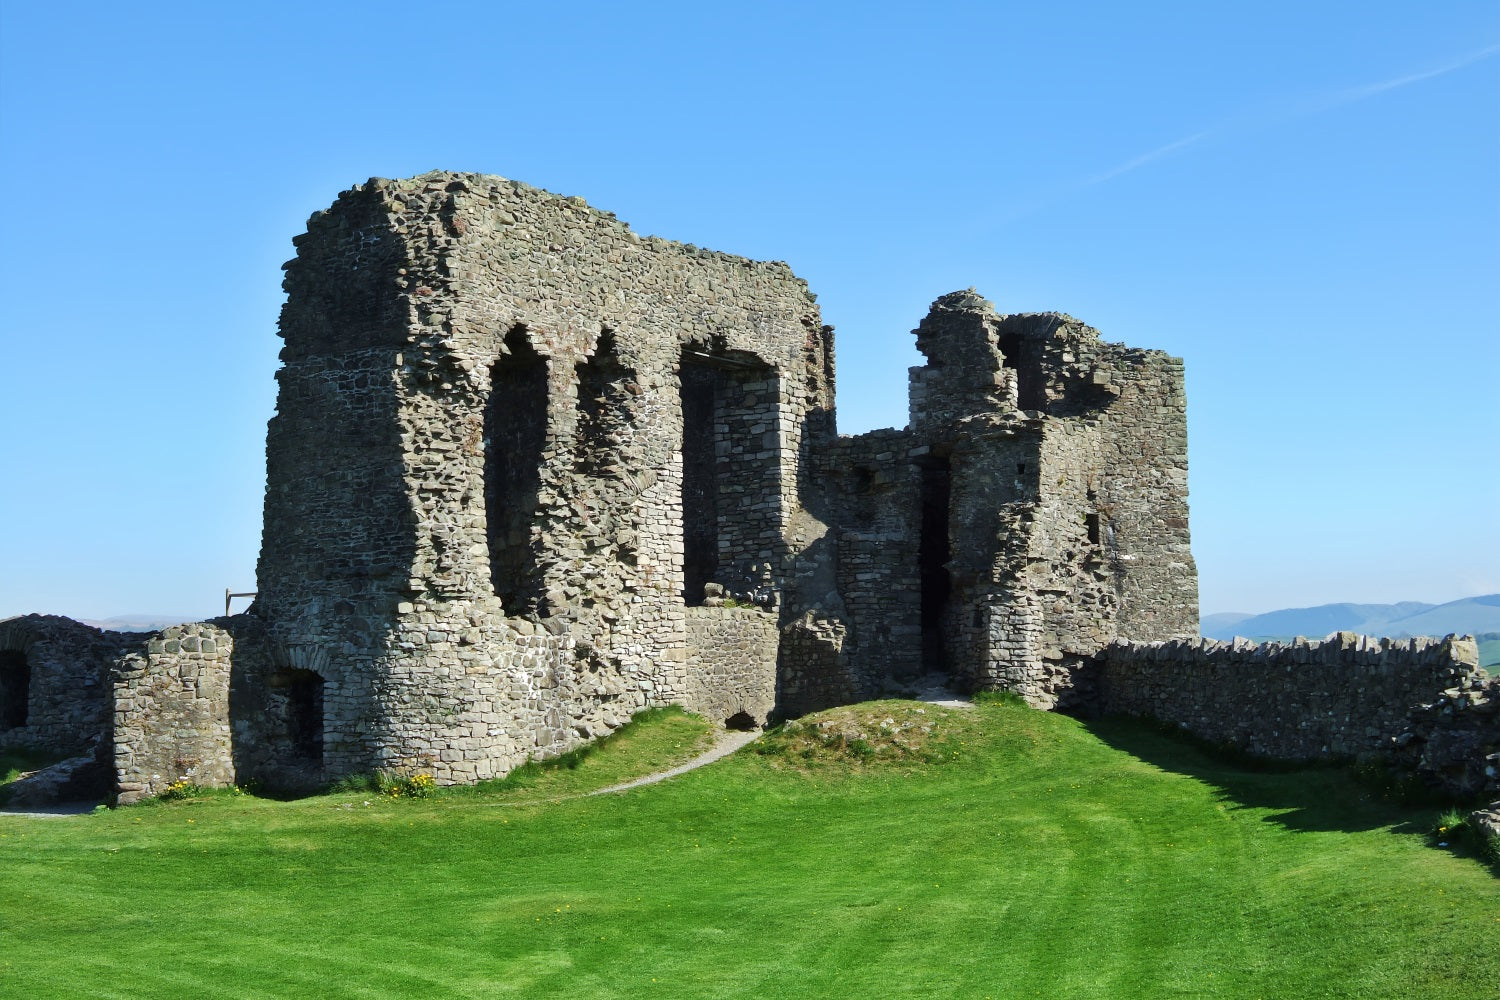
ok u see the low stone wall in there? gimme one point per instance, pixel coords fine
(1348, 696)
(814, 671)
(731, 663)
(171, 712)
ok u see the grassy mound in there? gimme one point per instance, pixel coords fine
(1043, 857)
(875, 733)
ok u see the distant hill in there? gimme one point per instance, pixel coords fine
(1489, 650)
(139, 623)
(1472, 616)
(1213, 626)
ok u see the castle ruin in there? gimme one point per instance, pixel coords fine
(530, 473)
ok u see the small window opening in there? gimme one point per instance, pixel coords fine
(304, 715)
(1022, 356)
(1091, 522)
(15, 689)
(1020, 468)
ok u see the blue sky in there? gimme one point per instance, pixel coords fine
(1300, 199)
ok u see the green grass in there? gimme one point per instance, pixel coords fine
(1034, 856)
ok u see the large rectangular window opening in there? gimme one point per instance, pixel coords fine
(731, 472)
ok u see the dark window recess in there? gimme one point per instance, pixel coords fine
(1020, 468)
(1091, 521)
(1022, 356)
(932, 558)
(304, 715)
(603, 410)
(515, 434)
(15, 689)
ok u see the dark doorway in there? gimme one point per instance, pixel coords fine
(741, 722)
(15, 689)
(932, 558)
(515, 434)
(304, 716)
(700, 516)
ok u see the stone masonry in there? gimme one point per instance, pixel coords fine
(1423, 704)
(531, 473)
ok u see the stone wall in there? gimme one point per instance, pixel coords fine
(55, 683)
(815, 667)
(870, 487)
(1349, 696)
(464, 615)
(732, 664)
(171, 712)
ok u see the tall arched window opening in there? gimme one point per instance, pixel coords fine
(515, 434)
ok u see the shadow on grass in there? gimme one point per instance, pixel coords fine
(1329, 797)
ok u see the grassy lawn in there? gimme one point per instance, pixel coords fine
(998, 852)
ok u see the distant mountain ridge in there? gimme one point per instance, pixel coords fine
(137, 623)
(1477, 616)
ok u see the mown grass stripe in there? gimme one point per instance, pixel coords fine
(1046, 858)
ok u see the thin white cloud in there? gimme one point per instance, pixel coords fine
(1371, 89)
(1145, 158)
(1310, 107)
